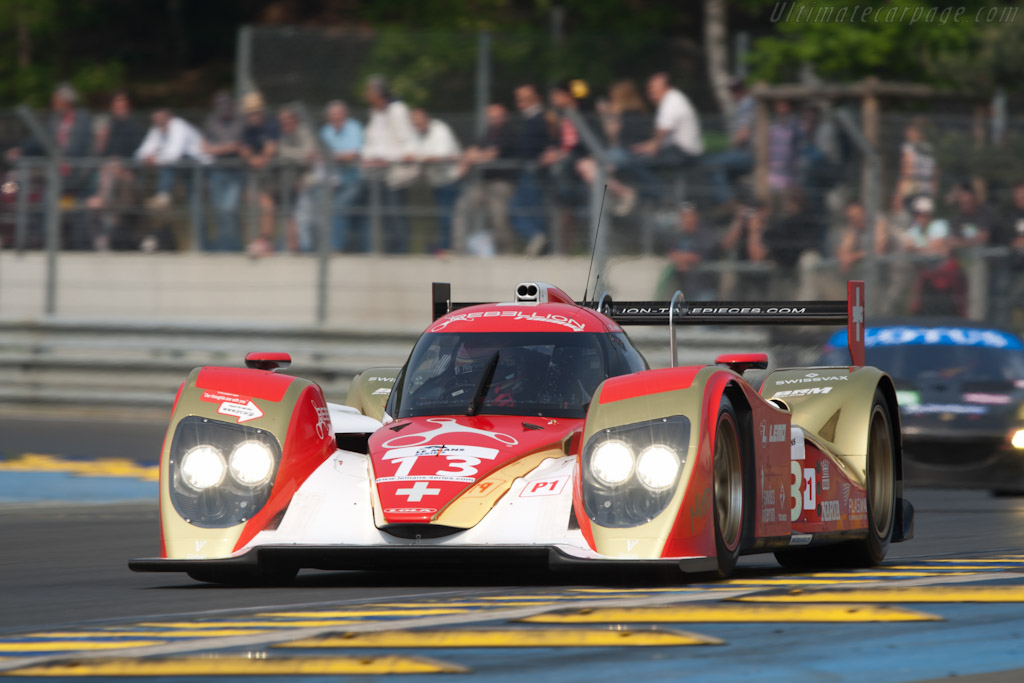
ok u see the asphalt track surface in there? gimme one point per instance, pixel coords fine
(68, 600)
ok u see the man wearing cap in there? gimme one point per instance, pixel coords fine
(260, 136)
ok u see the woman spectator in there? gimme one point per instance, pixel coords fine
(626, 122)
(919, 172)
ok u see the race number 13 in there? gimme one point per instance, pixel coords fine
(802, 478)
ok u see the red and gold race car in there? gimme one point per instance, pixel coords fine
(533, 431)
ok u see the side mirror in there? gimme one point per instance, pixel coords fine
(267, 361)
(741, 362)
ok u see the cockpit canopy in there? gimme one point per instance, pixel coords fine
(544, 374)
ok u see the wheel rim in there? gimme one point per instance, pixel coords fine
(728, 482)
(880, 474)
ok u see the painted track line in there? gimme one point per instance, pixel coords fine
(510, 614)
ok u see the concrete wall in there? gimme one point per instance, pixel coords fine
(365, 292)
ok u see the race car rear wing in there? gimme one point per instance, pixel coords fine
(679, 312)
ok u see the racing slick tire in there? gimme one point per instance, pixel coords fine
(728, 489)
(881, 504)
(262, 576)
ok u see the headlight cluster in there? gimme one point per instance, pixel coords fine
(1017, 440)
(220, 473)
(631, 472)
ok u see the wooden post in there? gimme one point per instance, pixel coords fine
(869, 124)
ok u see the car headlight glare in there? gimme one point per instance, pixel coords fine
(1018, 439)
(612, 462)
(657, 467)
(202, 467)
(251, 463)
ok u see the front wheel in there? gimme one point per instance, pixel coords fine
(728, 491)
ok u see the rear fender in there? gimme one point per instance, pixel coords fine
(833, 404)
(244, 405)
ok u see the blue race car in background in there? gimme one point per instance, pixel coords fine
(960, 387)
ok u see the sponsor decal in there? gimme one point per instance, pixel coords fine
(631, 543)
(383, 391)
(699, 509)
(810, 391)
(825, 483)
(830, 511)
(323, 421)
(813, 377)
(233, 405)
(446, 425)
(796, 444)
(414, 511)
(951, 408)
(800, 539)
(380, 379)
(770, 310)
(512, 315)
(988, 399)
(544, 487)
(200, 545)
(772, 433)
(845, 490)
(858, 506)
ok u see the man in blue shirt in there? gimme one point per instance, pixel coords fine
(343, 138)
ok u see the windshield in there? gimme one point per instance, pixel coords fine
(547, 374)
(913, 363)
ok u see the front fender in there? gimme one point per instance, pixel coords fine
(241, 404)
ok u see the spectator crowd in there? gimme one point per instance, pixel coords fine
(267, 181)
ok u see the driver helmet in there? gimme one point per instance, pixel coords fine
(471, 355)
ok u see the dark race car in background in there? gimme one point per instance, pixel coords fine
(961, 396)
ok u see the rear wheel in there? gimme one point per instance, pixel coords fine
(881, 504)
(728, 489)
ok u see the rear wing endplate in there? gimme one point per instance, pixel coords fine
(849, 312)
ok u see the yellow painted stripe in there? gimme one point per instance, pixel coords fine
(982, 560)
(350, 613)
(509, 638)
(719, 613)
(236, 666)
(176, 633)
(637, 591)
(104, 467)
(946, 568)
(511, 603)
(872, 575)
(908, 594)
(248, 624)
(63, 645)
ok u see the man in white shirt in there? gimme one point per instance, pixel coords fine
(388, 149)
(677, 136)
(438, 150)
(169, 141)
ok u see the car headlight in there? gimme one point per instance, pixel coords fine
(220, 474)
(202, 467)
(657, 467)
(1017, 441)
(612, 462)
(630, 472)
(251, 463)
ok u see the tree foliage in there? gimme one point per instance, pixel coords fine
(904, 40)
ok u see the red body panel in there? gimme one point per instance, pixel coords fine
(421, 464)
(309, 443)
(647, 383)
(260, 384)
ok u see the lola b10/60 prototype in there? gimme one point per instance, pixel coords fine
(533, 431)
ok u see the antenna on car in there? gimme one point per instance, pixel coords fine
(593, 247)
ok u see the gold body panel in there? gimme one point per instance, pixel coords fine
(370, 390)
